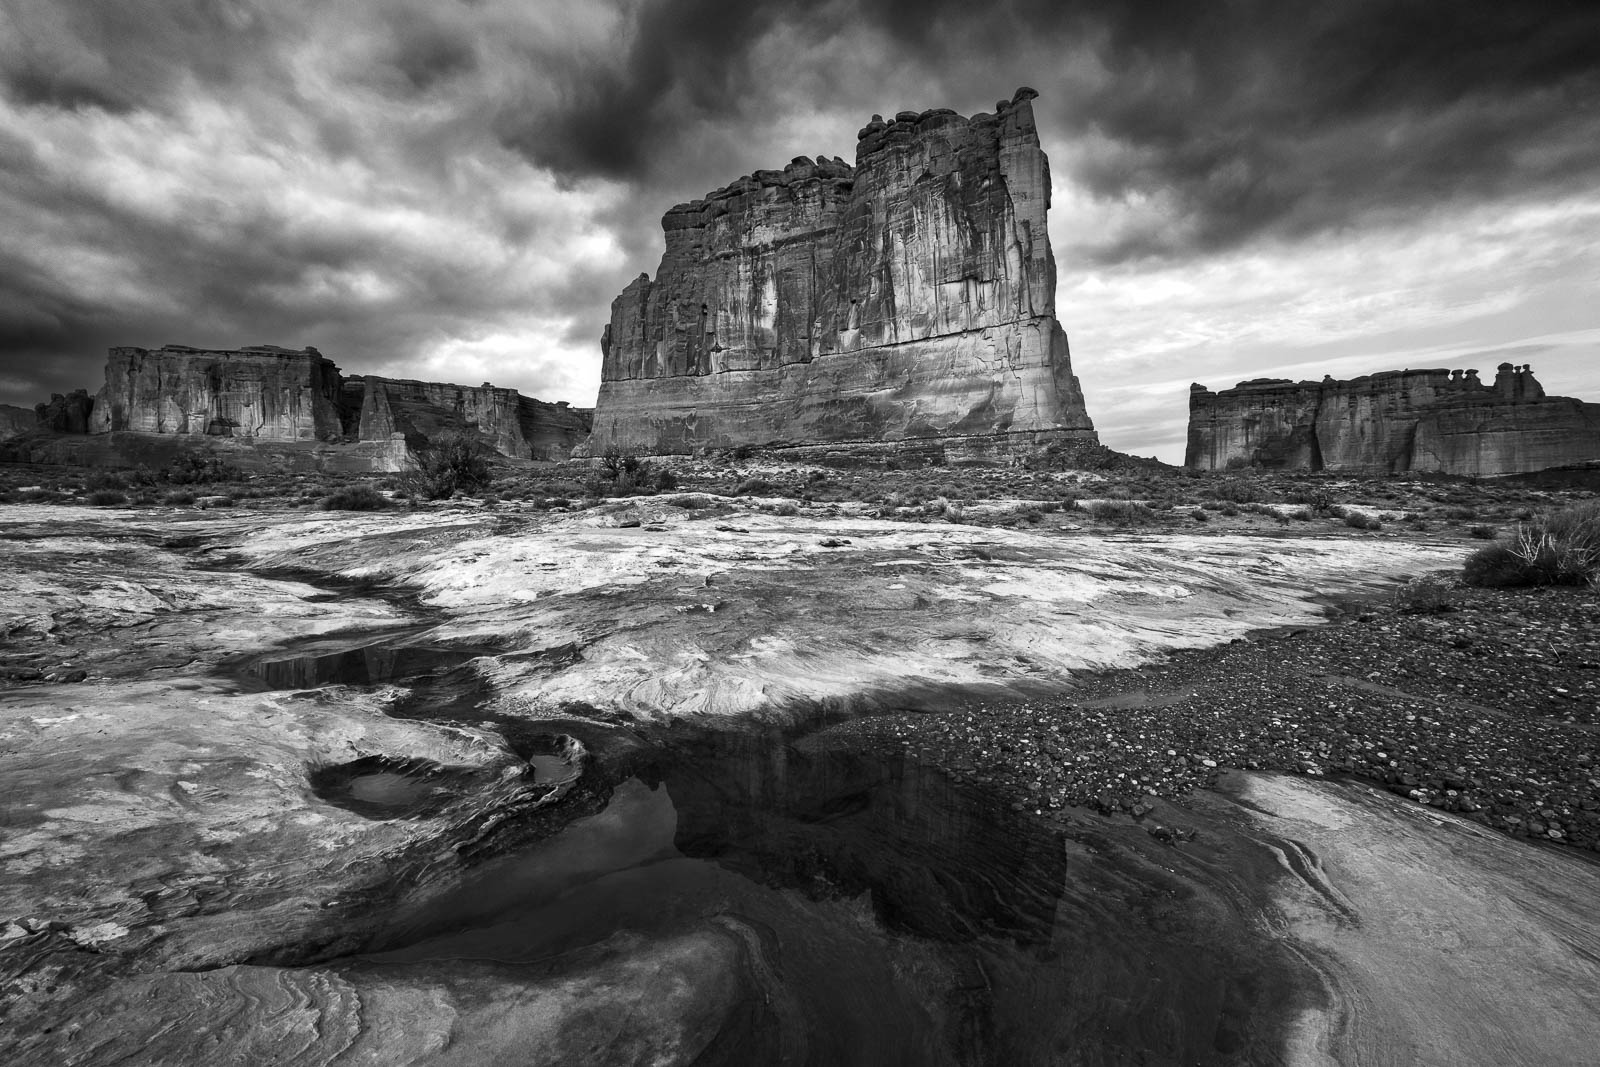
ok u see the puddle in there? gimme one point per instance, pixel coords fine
(386, 787)
(441, 679)
(885, 914)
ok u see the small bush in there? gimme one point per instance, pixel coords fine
(362, 497)
(215, 502)
(177, 498)
(1423, 596)
(105, 480)
(194, 468)
(453, 462)
(1121, 513)
(754, 487)
(1199, 515)
(107, 498)
(1484, 533)
(691, 501)
(1360, 520)
(666, 481)
(1560, 548)
(788, 507)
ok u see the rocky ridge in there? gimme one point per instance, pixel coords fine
(271, 396)
(908, 297)
(1411, 420)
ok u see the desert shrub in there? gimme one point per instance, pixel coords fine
(1238, 491)
(1458, 514)
(195, 468)
(35, 496)
(177, 498)
(107, 498)
(1121, 513)
(1484, 533)
(665, 481)
(1199, 515)
(788, 507)
(754, 487)
(1360, 520)
(691, 501)
(215, 501)
(1317, 499)
(452, 462)
(362, 497)
(1559, 548)
(1427, 595)
(105, 480)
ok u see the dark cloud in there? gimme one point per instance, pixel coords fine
(1200, 126)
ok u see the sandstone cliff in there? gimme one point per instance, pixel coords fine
(1412, 420)
(15, 421)
(911, 296)
(510, 423)
(69, 413)
(266, 392)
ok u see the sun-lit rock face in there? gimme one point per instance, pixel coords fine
(266, 392)
(911, 296)
(510, 423)
(1412, 420)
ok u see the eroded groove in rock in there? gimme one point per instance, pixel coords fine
(909, 297)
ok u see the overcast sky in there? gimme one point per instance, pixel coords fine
(455, 189)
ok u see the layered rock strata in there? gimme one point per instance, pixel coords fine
(15, 421)
(909, 297)
(510, 423)
(1412, 420)
(266, 392)
(270, 394)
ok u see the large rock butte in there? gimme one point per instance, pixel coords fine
(1412, 420)
(908, 298)
(269, 394)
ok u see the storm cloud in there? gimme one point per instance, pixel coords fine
(457, 189)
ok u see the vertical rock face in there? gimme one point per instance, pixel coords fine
(265, 392)
(1424, 420)
(268, 393)
(65, 414)
(510, 423)
(911, 296)
(15, 421)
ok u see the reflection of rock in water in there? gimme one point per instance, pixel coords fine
(939, 859)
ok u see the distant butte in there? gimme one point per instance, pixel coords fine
(1440, 421)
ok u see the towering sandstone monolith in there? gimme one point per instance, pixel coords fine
(1412, 420)
(510, 423)
(908, 298)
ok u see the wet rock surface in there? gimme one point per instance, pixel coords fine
(339, 800)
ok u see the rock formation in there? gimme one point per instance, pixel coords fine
(510, 423)
(269, 394)
(15, 421)
(65, 414)
(910, 297)
(1412, 420)
(266, 392)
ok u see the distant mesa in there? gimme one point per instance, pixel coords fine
(1445, 421)
(271, 396)
(908, 299)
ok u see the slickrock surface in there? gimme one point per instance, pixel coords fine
(247, 815)
(911, 296)
(1422, 420)
(273, 393)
